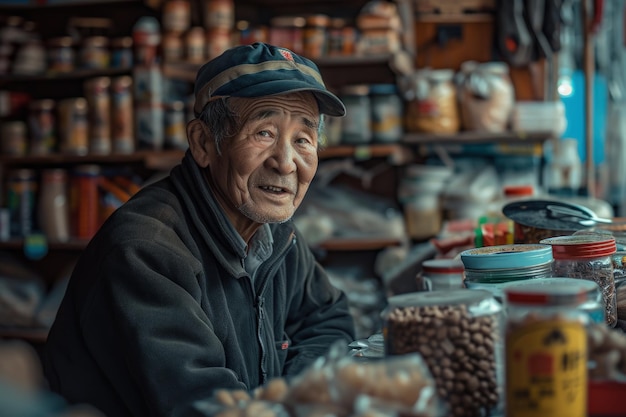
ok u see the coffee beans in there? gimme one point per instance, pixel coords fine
(459, 348)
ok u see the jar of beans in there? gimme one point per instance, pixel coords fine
(546, 350)
(588, 256)
(457, 332)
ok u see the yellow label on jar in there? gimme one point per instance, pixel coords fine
(546, 370)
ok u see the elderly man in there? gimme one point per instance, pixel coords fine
(201, 281)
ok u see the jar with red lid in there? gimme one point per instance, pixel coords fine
(441, 274)
(588, 257)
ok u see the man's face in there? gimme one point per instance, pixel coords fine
(264, 171)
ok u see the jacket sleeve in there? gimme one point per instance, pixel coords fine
(144, 320)
(318, 313)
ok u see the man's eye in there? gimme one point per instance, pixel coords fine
(265, 133)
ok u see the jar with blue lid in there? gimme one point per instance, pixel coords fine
(387, 108)
(492, 267)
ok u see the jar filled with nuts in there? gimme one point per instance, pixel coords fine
(546, 350)
(457, 332)
(588, 256)
(492, 267)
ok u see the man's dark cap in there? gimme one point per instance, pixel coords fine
(259, 70)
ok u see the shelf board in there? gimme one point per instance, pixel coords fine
(64, 76)
(70, 245)
(359, 243)
(152, 159)
(475, 138)
(397, 153)
(454, 17)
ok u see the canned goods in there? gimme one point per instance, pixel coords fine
(195, 44)
(315, 36)
(546, 350)
(13, 138)
(149, 127)
(356, 125)
(73, 132)
(98, 95)
(122, 115)
(21, 200)
(53, 209)
(217, 41)
(173, 47)
(94, 53)
(175, 125)
(42, 127)
(122, 52)
(387, 113)
(146, 38)
(148, 86)
(441, 274)
(84, 201)
(176, 16)
(219, 14)
(492, 267)
(61, 54)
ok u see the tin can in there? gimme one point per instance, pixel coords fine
(13, 138)
(288, 32)
(84, 201)
(441, 274)
(53, 208)
(546, 350)
(42, 127)
(149, 127)
(175, 125)
(122, 52)
(122, 115)
(387, 113)
(356, 125)
(61, 55)
(21, 201)
(94, 53)
(98, 95)
(148, 85)
(195, 45)
(176, 16)
(219, 14)
(173, 47)
(217, 41)
(146, 40)
(314, 39)
(73, 126)
(492, 267)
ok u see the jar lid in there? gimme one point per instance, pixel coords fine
(550, 291)
(442, 266)
(581, 246)
(507, 256)
(540, 214)
(439, 298)
(518, 190)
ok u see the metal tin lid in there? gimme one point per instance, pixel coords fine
(536, 213)
(442, 266)
(507, 256)
(439, 298)
(581, 246)
(551, 291)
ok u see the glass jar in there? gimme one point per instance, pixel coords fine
(61, 54)
(592, 305)
(122, 52)
(386, 107)
(492, 267)
(457, 332)
(356, 125)
(546, 350)
(588, 257)
(42, 127)
(176, 16)
(314, 37)
(441, 274)
(95, 53)
(432, 104)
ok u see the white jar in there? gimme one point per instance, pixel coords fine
(441, 274)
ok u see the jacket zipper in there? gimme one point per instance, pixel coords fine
(260, 303)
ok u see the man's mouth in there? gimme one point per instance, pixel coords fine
(273, 189)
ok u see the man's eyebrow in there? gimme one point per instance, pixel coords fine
(266, 114)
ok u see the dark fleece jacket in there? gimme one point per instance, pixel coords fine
(159, 311)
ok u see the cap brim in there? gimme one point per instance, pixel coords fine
(329, 103)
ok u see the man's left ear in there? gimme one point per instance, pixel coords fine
(200, 143)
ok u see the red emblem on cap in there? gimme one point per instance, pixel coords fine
(286, 54)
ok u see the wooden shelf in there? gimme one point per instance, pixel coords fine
(151, 159)
(454, 18)
(475, 138)
(13, 79)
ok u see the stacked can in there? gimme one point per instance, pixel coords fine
(219, 20)
(122, 115)
(148, 85)
(99, 102)
(84, 201)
